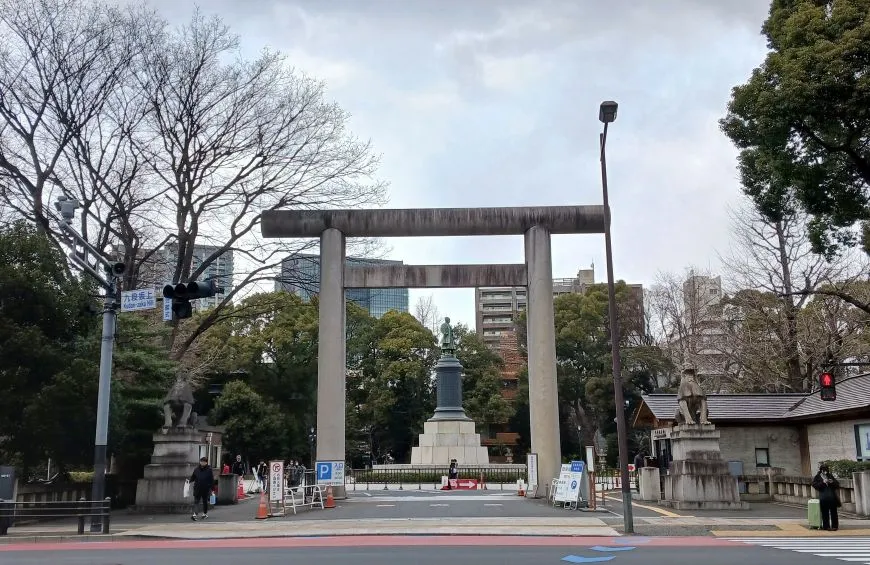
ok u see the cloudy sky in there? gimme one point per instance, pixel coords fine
(495, 103)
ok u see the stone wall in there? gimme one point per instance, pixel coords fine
(832, 441)
(740, 443)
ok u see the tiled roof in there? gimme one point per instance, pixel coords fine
(852, 394)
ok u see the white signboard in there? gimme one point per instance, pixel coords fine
(276, 481)
(532, 466)
(330, 473)
(570, 483)
(167, 309)
(141, 299)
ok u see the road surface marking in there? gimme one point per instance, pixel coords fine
(650, 508)
(493, 504)
(852, 549)
(439, 505)
(367, 494)
(385, 505)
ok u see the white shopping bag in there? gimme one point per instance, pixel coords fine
(186, 489)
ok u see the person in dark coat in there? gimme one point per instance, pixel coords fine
(827, 485)
(638, 465)
(202, 480)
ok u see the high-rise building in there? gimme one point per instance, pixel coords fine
(159, 269)
(300, 274)
(498, 308)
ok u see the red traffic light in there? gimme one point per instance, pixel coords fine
(826, 380)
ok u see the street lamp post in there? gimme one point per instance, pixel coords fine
(312, 437)
(607, 114)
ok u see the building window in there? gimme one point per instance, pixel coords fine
(762, 457)
(862, 442)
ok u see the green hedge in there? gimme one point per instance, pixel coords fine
(81, 476)
(843, 468)
(430, 477)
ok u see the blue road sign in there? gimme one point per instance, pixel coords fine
(324, 471)
(577, 466)
(573, 484)
(581, 559)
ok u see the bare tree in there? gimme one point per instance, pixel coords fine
(60, 61)
(771, 273)
(173, 143)
(685, 321)
(427, 313)
(230, 140)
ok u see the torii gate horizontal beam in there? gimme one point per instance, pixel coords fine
(434, 276)
(434, 221)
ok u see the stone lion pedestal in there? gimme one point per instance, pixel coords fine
(161, 489)
(698, 477)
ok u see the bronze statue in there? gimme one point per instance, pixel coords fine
(692, 400)
(448, 344)
(178, 406)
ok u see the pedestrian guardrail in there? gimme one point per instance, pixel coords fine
(97, 511)
(410, 478)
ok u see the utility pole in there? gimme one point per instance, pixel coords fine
(109, 280)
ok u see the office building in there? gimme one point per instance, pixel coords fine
(159, 269)
(300, 274)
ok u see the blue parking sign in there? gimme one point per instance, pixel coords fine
(324, 471)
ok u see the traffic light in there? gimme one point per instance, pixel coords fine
(182, 293)
(827, 387)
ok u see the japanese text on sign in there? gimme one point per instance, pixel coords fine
(141, 299)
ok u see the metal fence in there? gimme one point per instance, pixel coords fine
(611, 479)
(97, 511)
(407, 479)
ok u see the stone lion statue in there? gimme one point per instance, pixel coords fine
(178, 406)
(692, 407)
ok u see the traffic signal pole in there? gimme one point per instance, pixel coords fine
(110, 283)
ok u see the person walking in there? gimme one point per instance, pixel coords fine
(202, 480)
(827, 485)
(239, 466)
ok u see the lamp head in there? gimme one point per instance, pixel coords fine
(607, 111)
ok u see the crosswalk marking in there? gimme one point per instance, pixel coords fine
(849, 549)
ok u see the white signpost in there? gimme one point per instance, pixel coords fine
(140, 299)
(276, 481)
(532, 467)
(330, 473)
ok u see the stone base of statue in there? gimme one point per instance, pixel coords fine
(449, 434)
(445, 440)
(176, 454)
(698, 477)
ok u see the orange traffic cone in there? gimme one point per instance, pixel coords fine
(241, 492)
(330, 501)
(521, 490)
(262, 510)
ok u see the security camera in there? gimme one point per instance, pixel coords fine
(67, 207)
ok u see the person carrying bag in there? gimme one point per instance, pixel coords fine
(826, 485)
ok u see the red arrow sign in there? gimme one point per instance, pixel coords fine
(467, 484)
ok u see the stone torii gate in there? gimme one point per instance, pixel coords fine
(536, 224)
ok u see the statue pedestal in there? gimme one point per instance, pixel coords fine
(443, 440)
(698, 478)
(176, 454)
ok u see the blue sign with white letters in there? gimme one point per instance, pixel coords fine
(577, 466)
(329, 473)
(324, 472)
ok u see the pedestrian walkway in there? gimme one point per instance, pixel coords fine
(525, 526)
(851, 549)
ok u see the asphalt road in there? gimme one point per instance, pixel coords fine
(435, 551)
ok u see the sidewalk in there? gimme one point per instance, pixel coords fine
(278, 527)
